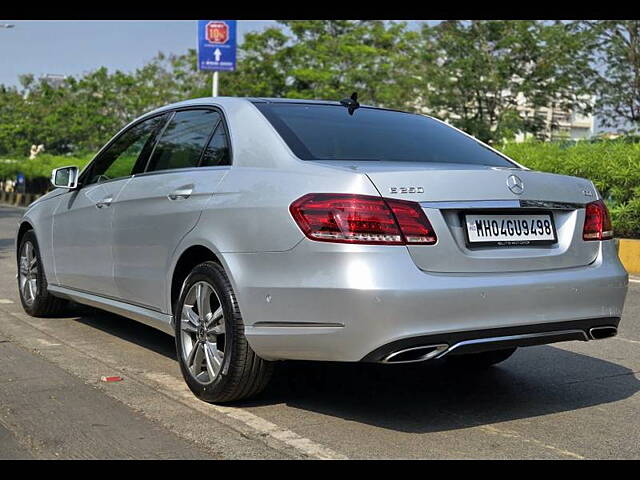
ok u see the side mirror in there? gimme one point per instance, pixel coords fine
(65, 177)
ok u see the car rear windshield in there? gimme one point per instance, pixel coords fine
(328, 132)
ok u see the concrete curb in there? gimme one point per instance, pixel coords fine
(629, 253)
(15, 199)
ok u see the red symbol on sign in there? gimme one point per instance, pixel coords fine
(217, 32)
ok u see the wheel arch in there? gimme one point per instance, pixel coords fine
(25, 226)
(190, 256)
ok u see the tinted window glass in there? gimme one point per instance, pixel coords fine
(121, 157)
(183, 140)
(328, 132)
(217, 151)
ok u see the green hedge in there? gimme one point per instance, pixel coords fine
(614, 167)
(40, 167)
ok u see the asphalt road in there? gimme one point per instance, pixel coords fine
(569, 401)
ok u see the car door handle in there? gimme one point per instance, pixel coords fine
(105, 202)
(180, 193)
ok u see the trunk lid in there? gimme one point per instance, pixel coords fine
(446, 191)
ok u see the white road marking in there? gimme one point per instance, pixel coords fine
(259, 424)
(626, 340)
(634, 280)
(5, 301)
(177, 389)
(511, 434)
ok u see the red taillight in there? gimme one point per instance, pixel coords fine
(597, 223)
(414, 224)
(344, 218)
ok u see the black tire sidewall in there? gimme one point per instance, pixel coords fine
(41, 291)
(211, 273)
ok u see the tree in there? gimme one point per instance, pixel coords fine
(327, 59)
(11, 113)
(316, 59)
(476, 74)
(473, 74)
(84, 112)
(262, 66)
(332, 58)
(616, 44)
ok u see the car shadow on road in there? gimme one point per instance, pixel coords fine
(126, 329)
(434, 396)
(427, 397)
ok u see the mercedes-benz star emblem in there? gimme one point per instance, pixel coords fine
(515, 184)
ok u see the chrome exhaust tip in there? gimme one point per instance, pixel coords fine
(599, 333)
(415, 354)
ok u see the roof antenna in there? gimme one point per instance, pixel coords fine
(351, 103)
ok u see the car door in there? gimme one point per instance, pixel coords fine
(82, 224)
(157, 208)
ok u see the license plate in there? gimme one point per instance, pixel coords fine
(510, 229)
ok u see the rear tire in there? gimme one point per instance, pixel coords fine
(477, 361)
(215, 358)
(32, 282)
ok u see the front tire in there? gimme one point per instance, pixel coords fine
(215, 358)
(32, 282)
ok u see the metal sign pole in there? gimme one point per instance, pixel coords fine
(215, 84)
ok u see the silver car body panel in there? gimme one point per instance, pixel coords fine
(82, 238)
(151, 216)
(302, 299)
(380, 296)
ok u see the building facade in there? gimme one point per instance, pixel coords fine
(560, 124)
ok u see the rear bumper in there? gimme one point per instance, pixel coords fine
(334, 302)
(459, 343)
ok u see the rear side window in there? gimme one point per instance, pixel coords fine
(328, 132)
(183, 140)
(217, 151)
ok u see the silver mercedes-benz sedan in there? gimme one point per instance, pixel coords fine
(257, 230)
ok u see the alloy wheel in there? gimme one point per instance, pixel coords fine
(28, 273)
(202, 326)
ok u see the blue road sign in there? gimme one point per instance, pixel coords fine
(217, 45)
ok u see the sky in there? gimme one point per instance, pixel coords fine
(75, 47)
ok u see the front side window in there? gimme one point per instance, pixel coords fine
(183, 140)
(328, 132)
(120, 158)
